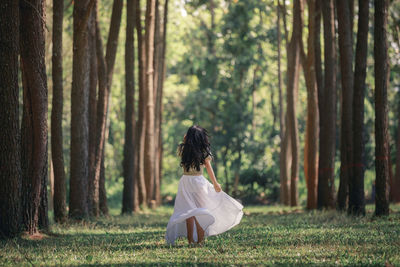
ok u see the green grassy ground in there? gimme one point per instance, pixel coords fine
(266, 235)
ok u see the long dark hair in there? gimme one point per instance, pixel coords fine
(195, 148)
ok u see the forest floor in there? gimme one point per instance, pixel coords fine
(267, 235)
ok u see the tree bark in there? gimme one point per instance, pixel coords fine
(312, 131)
(78, 195)
(105, 72)
(129, 148)
(346, 130)
(381, 107)
(396, 182)
(102, 187)
(292, 93)
(93, 81)
(60, 211)
(149, 150)
(34, 121)
(317, 48)
(356, 182)
(285, 153)
(140, 135)
(10, 168)
(327, 111)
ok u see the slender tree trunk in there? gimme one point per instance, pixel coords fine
(292, 92)
(141, 112)
(346, 130)
(93, 81)
(356, 182)
(101, 109)
(312, 131)
(78, 200)
(128, 163)
(60, 211)
(156, 65)
(156, 76)
(10, 168)
(105, 72)
(396, 182)
(327, 111)
(34, 122)
(281, 115)
(381, 107)
(149, 151)
(285, 153)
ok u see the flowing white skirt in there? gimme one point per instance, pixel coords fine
(215, 212)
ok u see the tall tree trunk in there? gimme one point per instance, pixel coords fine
(34, 121)
(156, 65)
(101, 109)
(356, 182)
(78, 195)
(105, 72)
(327, 111)
(156, 77)
(140, 134)
(149, 150)
(381, 107)
(284, 155)
(346, 130)
(10, 168)
(312, 131)
(60, 211)
(396, 180)
(160, 102)
(292, 93)
(93, 81)
(129, 148)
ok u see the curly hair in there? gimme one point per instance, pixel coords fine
(195, 148)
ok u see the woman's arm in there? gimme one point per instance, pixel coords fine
(211, 174)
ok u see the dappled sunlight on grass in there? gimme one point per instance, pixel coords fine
(266, 235)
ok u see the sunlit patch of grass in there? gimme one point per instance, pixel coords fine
(266, 235)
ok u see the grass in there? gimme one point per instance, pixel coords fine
(267, 235)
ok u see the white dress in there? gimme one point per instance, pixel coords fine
(216, 212)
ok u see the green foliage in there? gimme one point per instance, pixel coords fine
(266, 236)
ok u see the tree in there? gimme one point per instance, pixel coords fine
(284, 153)
(312, 131)
(293, 67)
(93, 85)
(149, 150)
(105, 71)
(346, 131)
(356, 182)
(34, 118)
(327, 111)
(140, 126)
(128, 194)
(10, 168)
(160, 44)
(78, 200)
(396, 197)
(60, 211)
(381, 107)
